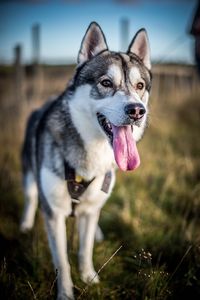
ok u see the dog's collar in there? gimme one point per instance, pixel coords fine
(77, 185)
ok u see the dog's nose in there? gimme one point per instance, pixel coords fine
(135, 111)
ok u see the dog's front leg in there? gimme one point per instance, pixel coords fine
(56, 230)
(87, 224)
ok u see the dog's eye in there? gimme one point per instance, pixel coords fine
(106, 83)
(140, 85)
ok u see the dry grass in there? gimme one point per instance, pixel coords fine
(153, 212)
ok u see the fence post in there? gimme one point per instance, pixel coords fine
(36, 67)
(124, 34)
(19, 77)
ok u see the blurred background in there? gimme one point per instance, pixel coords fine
(154, 212)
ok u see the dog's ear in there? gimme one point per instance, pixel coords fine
(92, 44)
(140, 47)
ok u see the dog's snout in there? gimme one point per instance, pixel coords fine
(135, 111)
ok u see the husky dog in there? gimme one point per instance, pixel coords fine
(74, 144)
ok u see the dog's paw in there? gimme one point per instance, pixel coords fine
(90, 277)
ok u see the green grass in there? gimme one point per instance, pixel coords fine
(153, 213)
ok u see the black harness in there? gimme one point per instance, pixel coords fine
(77, 187)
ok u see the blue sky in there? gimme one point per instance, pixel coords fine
(63, 24)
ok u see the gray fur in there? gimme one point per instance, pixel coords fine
(50, 139)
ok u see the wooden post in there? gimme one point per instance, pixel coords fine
(124, 29)
(37, 78)
(36, 43)
(19, 76)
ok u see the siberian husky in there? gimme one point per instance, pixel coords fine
(74, 144)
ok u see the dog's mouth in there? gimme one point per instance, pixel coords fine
(106, 126)
(123, 143)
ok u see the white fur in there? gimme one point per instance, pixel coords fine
(87, 227)
(55, 192)
(31, 195)
(125, 57)
(56, 231)
(137, 133)
(135, 76)
(115, 73)
(81, 109)
(83, 112)
(88, 214)
(93, 198)
(145, 98)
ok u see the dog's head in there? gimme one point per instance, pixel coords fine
(117, 87)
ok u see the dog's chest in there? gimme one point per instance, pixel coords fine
(99, 158)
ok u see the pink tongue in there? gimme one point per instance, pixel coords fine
(125, 149)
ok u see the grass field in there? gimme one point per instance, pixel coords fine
(154, 213)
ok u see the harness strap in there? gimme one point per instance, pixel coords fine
(77, 185)
(106, 182)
